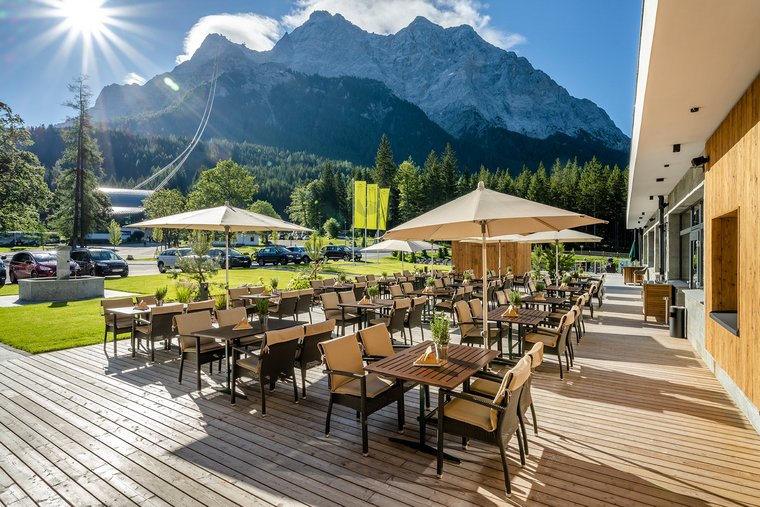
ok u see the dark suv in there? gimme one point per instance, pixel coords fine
(100, 262)
(2, 270)
(274, 254)
(237, 259)
(337, 253)
(301, 254)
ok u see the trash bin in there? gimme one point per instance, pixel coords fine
(677, 320)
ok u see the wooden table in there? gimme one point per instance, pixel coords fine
(434, 296)
(566, 289)
(382, 304)
(463, 363)
(551, 301)
(229, 336)
(525, 317)
(339, 286)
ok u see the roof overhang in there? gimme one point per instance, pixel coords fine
(692, 53)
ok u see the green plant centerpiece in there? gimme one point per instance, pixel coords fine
(566, 279)
(273, 284)
(342, 278)
(540, 288)
(373, 291)
(429, 284)
(262, 310)
(160, 294)
(467, 277)
(186, 291)
(384, 275)
(439, 326)
(515, 300)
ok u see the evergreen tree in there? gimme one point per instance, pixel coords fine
(411, 197)
(449, 170)
(538, 189)
(522, 183)
(430, 181)
(22, 186)
(385, 175)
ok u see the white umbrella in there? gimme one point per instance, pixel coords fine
(396, 245)
(222, 218)
(565, 235)
(487, 214)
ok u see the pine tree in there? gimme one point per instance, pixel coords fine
(538, 190)
(410, 191)
(430, 181)
(448, 170)
(522, 183)
(385, 175)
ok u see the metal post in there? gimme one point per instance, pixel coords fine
(227, 265)
(661, 204)
(486, 336)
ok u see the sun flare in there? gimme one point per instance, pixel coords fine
(85, 16)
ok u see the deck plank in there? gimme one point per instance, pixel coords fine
(639, 420)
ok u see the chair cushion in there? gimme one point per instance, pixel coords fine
(470, 413)
(121, 322)
(375, 385)
(250, 363)
(546, 339)
(485, 387)
(339, 315)
(144, 330)
(206, 346)
(377, 340)
(382, 320)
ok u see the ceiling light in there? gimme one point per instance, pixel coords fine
(676, 148)
(666, 165)
(694, 109)
(659, 180)
(701, 160)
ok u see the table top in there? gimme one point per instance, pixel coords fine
(547, 300)
(227, 333)
(383, 303)
(435, 292)
(339, 286)
(559, 288)
(127, 311)
(256, 296)
(463, 362)
(525, 316)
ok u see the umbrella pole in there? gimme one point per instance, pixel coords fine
(556, 259)
(499, 258)
(227, 265)
(486, 334)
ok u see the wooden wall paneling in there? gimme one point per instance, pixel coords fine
(469, 256)
(732, 183)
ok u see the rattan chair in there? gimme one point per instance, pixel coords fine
(305, 300)
(395, 322)
(206, 350)
(201, 306)
(333, 311)
(470, 329)
(158, 326)
(275, 360)
(113, 323)
(147, 299)
(352, 387)
(489, 420)
(555, 340)
(396, 291)
(414, 317)
(308, 355)
(286, 306)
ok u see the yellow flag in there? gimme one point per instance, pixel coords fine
(360, 204)
(372, 206)
(385, 194)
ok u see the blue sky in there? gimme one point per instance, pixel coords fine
(587, 46)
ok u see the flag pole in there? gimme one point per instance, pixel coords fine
(353, 221)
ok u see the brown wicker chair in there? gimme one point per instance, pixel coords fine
(333, 311)
(395, 322)
(233, 316)
(414, 317)
(148, 299)
(158, 326)
(286, 306)
(201, 306)
(206, 350)
(352, 387)
(470, 329)
(115, 324)
(489, 420)
(555, 340)
(308, 355)
(305, 300)
(396, 291)
(274, 360)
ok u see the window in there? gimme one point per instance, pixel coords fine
(692, 246)
(725, 270)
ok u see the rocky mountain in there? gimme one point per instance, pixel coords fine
(332, 88)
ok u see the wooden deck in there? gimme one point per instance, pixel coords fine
(638, 421)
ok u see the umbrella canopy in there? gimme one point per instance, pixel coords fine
(498, 213)
(565, 236)
(487, 213)
(222, 218)
(634, 253)
(397, 245)
(226, 219)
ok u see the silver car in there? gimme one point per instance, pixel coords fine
(168, 258)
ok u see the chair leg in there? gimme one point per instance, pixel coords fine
(181, 365)
(521, 418)
(198, 369)
(439, 454)
(329, 413)
(295, 385)
(152, 350)
(263, 397)
(303, 382)
(233, 379)
(520, 446)
(365, 430)
(105, 341)
(535, 423)
(505, 467)
(559, 358)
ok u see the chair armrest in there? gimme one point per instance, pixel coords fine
(370, 358)
(488, 376)
(142, 322)
(344, 373)
(480, 400)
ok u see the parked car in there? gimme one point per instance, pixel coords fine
(301, 254)
(274, 255)
(237, 259)
(168, 258)
(35, 264)
(338, 252)
(2, 270)
(100, 262)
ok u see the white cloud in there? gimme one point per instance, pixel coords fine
(390, 16)
(257, 32)
(377, 16)
(134, 78)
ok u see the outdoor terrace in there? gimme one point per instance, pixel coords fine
(638, 421)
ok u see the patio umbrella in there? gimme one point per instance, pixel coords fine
(487, 214)
(565, 235)
(396, 245)
(634, 253)
(226, 219)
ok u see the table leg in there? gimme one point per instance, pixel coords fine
(228, 388)
(132, 337)
(510, 340)
(114, 335)
(420, 444)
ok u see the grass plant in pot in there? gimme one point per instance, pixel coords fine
(262, 310)
(515, 300)
(540, 290)
(429, 284)
(273, 283)
(441, 337)
(160, 294)
(373, 291)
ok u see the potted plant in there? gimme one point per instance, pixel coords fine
(342, 278)
(373, 291)
(467, 277)
(273, 283)
(540, 288)
(262, 310)
(429, 284)
(515, 300)
(441, 337)
(160, 294)
(384, 275)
